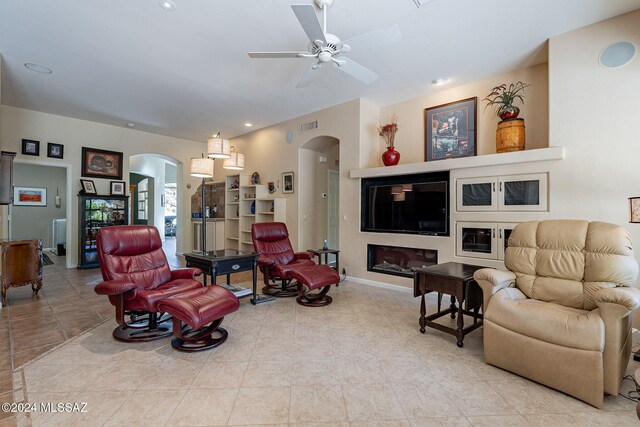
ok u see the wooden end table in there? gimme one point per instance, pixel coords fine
(455, 279)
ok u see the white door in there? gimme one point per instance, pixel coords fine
(333, 206)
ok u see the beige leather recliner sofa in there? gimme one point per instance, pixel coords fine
(561, 315)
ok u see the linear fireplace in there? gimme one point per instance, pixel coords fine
(397, 260)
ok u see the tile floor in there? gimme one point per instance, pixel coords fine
(359, 362)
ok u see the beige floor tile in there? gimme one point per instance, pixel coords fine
(356, 370)
(441, 422)
(73, 378)
(371, 402)
(477, 398)
(317, 403)
(171, 376)
(551, 420)
(268, 373)
(122, 377)
(232, 351)
(316, 372)
(384, 423)
(418, 399)
(220, 375)
(608, 418)
(264, 405)
(205, 407)
(498, 420)
(100, 406)
(138, 411)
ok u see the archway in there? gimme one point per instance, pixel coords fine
(318, 202)
(155, 184)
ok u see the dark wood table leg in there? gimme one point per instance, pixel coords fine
(453, 306)
(229, 279)
(423, 315)
(255, 281)
(338, 266)
(439, 301)
(460, 330)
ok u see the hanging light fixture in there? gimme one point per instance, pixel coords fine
(235, 162)
(202, 167)
(218, 148)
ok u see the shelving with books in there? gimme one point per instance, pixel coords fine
(233, 208)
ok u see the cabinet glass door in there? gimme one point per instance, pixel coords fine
(504, 231)
(476, 194)
(523, 192)
(477, 239)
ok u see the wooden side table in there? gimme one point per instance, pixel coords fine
(326, 253)
(21, 265)
(455, 279)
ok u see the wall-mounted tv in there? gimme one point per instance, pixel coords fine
(413, 204)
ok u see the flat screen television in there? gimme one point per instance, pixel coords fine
(412, 204)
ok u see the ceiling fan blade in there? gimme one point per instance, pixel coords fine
(375, 38)
(306, 14)
(308, 76)
(275, 54)
(356, 70)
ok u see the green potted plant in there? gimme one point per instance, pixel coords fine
(502, 99)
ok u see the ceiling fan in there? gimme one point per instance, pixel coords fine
(328, 48)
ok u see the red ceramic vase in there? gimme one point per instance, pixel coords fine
(390, 157)
(510, 112)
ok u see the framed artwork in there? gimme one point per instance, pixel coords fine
(30, 147)
(28, 196)
(101, 163)
(88, 186)
(634, 209)
(450, 130)
(55, 151)
(117, 188)
(287, 182)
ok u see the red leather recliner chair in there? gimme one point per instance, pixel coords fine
(277, 259)
(136, 277)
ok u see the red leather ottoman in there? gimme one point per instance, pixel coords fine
(198, 308)
(315, 277)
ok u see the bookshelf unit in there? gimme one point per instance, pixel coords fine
(232, 209)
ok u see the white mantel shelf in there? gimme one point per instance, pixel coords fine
(527, 156)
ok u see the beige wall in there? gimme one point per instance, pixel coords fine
(34, 222)
(74, 134)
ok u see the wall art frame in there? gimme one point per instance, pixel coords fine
(451, 129)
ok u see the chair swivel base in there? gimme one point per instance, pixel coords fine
(286, 290)
(315, 277)
(313, 300)
(192, 340)
(147, 328)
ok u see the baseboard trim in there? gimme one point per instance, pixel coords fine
(377, 284)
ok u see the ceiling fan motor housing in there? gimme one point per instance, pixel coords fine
(322, 3)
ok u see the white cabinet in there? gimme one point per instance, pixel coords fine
(215, 235)
(486, 240)
(510, 193)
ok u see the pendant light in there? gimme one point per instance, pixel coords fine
(218, 148)
(235, 162)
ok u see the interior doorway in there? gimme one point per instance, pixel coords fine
(333, 211)
(155, 197)
(45, 209)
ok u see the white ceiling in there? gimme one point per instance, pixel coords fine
(186, 73)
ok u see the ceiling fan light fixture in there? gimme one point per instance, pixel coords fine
(421, 2)
(218, 148)
(248, 125)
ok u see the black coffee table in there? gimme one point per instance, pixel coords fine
(228, 261)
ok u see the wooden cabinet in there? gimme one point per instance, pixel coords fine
(21, 265)
(514, 193)
(96, 212)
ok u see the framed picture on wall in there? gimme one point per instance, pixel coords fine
(117, 188)
(28, 196)
(30, 147)
(287, 182)
(88, 186)
(55, 151)
(101, 163)
(634, 209)
(450, 130)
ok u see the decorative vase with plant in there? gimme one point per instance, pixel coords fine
(502, 99)
(510, 135)
(388, 133)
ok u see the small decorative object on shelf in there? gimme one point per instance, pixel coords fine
(510, 135)
(388, 132)
(325, 244)
(255, 178)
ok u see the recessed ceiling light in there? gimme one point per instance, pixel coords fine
(439, 82)
(248, 124)
(167, 5)
(131, 125)
(38, 68)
